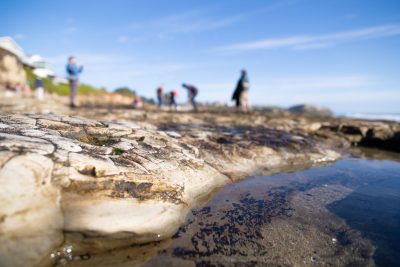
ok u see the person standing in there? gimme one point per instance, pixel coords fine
(39, 89)
(159, 96)
(192, 93)
(241, 93)
(172, 100)
(73, 77)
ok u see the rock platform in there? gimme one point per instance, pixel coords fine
(133, 176)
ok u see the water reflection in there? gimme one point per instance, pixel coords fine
(296, 219)
(374, 210)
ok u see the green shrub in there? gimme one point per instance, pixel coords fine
(126, 91)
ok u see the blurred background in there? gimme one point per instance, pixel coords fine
(342, 54)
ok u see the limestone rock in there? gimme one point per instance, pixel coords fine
(136, 184)
(93, 166)
(31, 220)
(26, 144)
(63, 143)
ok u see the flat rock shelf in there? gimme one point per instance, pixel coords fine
(132, 178)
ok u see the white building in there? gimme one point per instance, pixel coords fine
(12, 59)
(41, 67)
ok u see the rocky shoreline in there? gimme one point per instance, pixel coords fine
(133, 176)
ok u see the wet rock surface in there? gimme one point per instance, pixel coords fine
(325, 216)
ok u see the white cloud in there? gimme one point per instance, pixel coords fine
(185, 22)
(311, 46)
(19, 36)
(70, 20)
(320, 82)
(196, 24)
(71, 29)
(303, 42)
(154, 69)
(163, 36)
(198, 20)
(123, 39)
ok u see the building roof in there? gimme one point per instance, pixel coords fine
(8, 43)
(42, 67)
(36, 58)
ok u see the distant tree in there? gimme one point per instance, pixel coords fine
(126, 91)
(148, 100)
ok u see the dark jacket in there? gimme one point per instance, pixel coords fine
(240, 87)
(192, 90)
(38, 83)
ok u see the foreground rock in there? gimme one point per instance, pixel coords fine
(129, 176)
(31, 219)
(120, 180)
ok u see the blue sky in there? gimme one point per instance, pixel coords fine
(344, 54)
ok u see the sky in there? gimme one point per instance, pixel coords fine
(342, 54)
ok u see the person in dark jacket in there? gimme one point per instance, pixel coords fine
(172, 102)
(192, 93)
(73, 77)
(240, 95)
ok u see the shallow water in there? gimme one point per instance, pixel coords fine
(344, 214)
